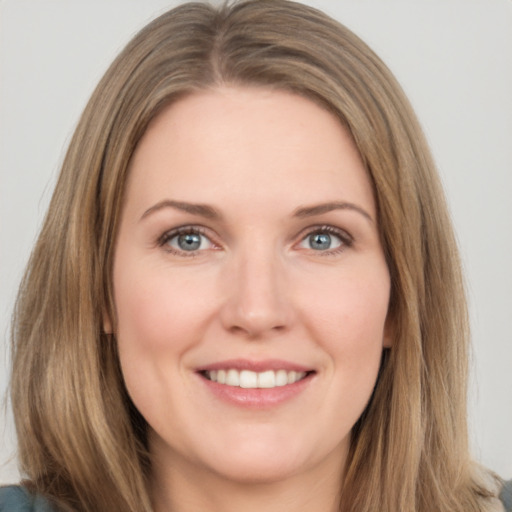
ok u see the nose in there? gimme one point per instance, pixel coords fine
(256, 304)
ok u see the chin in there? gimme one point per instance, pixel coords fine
(259, 472)
(273, 460)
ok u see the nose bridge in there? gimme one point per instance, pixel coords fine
(257, 302)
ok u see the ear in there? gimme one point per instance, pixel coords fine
(389, 332)
(107, 324)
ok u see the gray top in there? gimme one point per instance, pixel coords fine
(506, 496)
(15, 498)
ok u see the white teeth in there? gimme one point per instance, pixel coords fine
(233, 378)
(281, 378)
(250, 380)
(267, 379)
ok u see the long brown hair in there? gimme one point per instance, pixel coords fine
(81, 441)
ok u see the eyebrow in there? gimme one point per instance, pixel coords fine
(319, 209)
(202, 210)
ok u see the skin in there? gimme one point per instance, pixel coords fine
(256, 289)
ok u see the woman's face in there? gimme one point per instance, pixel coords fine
(250, 286)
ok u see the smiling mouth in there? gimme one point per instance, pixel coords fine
(248, 379)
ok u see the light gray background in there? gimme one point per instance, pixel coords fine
(454, 59)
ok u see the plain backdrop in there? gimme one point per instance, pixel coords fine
(454, 60)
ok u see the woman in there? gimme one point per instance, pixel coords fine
(246, 292)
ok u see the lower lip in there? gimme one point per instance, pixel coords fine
(257, 398)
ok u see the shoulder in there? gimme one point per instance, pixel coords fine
(16, 498)
(506, 495)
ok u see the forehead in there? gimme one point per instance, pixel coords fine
(234, 145)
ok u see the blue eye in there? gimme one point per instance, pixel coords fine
(320, 241)
(325, 240)
(186, 241)
(189, 242)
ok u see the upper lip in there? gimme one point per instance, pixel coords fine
(255, 366)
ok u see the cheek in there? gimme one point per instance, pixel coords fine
(350, 312)
(160, 316)
(157, 309)
(347, 317)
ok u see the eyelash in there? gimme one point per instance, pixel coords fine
(182, 230)
(346, 240)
